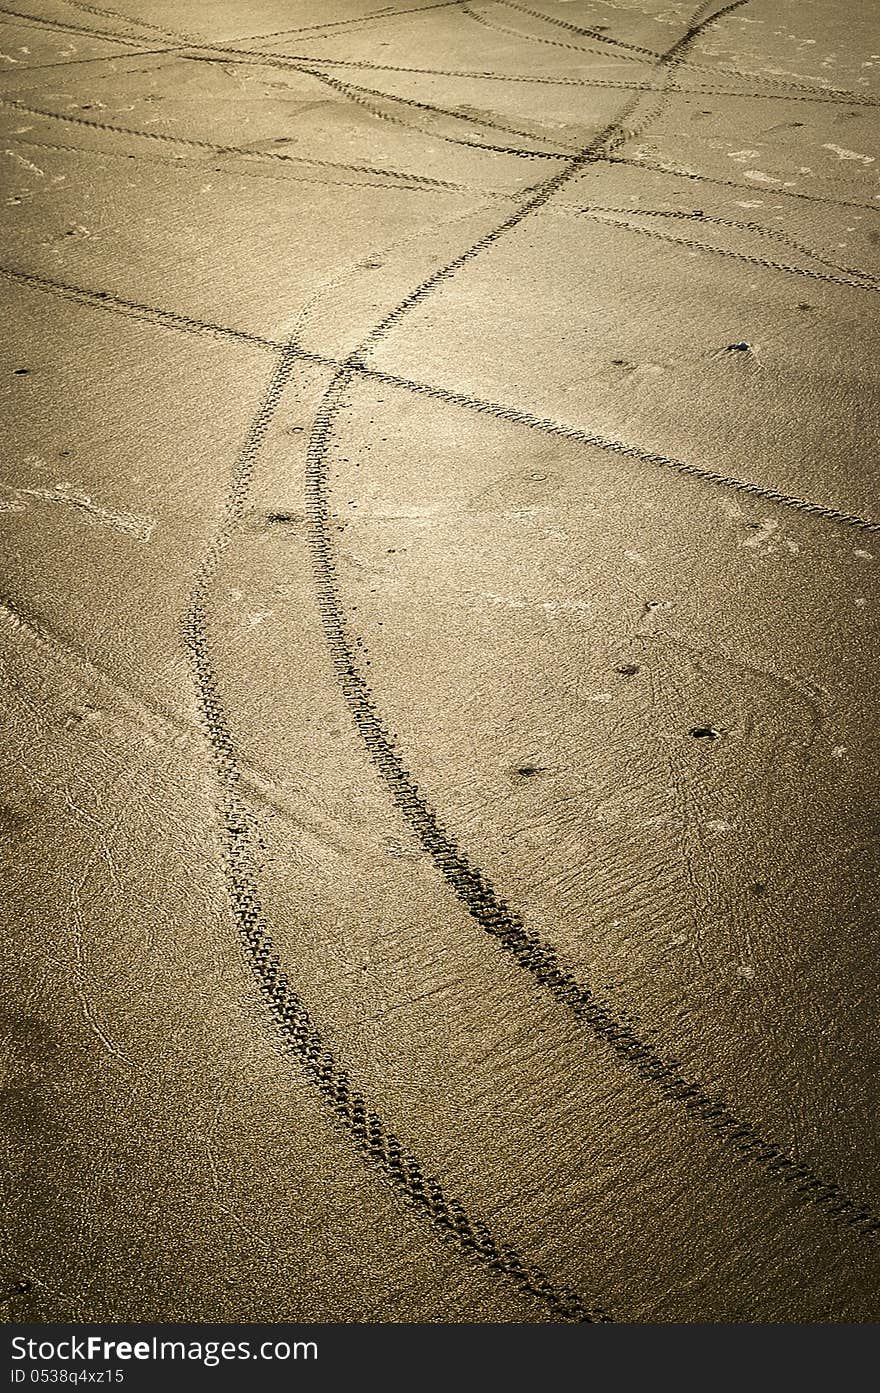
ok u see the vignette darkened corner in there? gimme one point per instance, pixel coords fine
(438, 662)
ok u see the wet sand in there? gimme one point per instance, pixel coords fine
(440, 529)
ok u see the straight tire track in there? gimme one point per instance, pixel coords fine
(515, 415)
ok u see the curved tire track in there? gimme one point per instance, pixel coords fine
(194, 51)
(472, 888)
(183, 323)
(637, 53)
(601, 215)
(192, 142)
(476, 892)
(743, 225)
(375, 1141)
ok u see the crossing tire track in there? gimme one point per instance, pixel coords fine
(375, 1141)
(514, 415)
(192, 142)
(637, 53)
(469, 884)
(193, 51)
(856, 281)
(476, 893)
(743, 225)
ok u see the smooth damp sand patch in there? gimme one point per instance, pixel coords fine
(764, 530)
(522, 602)
(253, 621)
(761, 178)
(25, 163)
(843, 154)
(132, 524)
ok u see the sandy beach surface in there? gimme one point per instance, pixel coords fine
(438, 654)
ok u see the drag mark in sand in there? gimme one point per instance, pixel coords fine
(25, 163)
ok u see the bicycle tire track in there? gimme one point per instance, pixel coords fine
(638, 53)
(134, 309)
(819, 94)
(593, 33)
(600, 215)
(361, 96)
(656, 166)
(322, 179)
(364, 19)
(669, 62)
(305, 63)
(381, 1148)
(193, 51)
(743, 225)
(515, 415)
(192, 142)
(423, 183)
(469, 884)
(374, 1140)
(472, 14)
(127, 20)
(77, 62)
(581, 436)
(477, 894)
(68, 27)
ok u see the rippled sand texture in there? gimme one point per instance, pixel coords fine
(437, 651)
